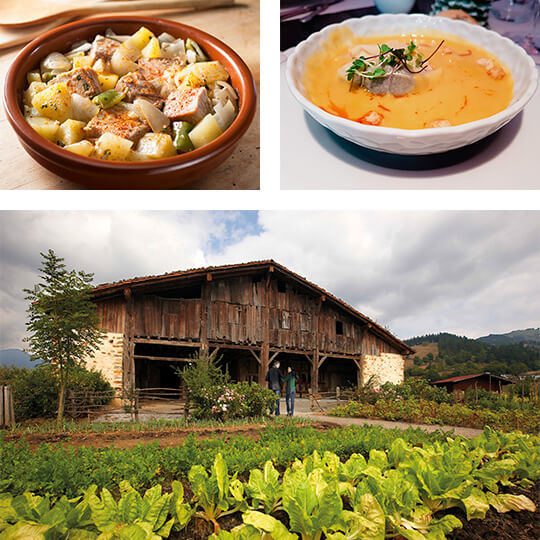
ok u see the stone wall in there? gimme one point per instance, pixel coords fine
(387, 367)
(108, 359)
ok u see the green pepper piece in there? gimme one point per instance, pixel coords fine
(196, 48)
(47, 76)
(182, 142)
(108, 98)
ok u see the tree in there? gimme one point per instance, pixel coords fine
(62, 320)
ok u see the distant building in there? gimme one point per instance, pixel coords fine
(254, 313)
(482, 381)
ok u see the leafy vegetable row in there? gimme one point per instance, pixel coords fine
(399, 492)
(64, 470)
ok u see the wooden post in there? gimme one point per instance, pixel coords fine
(205, 296)
(311, 406)
(315, 372)
(128, 361)
(265, 346)
(338, 394)
(7, 415)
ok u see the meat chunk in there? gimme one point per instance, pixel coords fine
(82, 81)
(400, 83)
(103, 48)
(118, 121)
(372, 118)
(134, 85)
(188, 105)
(496, 72)
(439, 124)
(153, 68)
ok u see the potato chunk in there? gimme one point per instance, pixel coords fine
(205, 132)
(141, 38)
(44, 126)
(152, 50)
(71, 131)
(112, 147)
(54, 102)
(203, 73)
(156, 146)
(107, 80)
(82, 62)
(32, 90)
(83, 148)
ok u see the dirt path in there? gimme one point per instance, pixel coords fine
(465, 432)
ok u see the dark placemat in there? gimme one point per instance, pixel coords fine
(293, 32)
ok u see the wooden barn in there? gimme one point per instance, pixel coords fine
(483, 381)
(254, 313)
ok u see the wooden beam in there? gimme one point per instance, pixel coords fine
(209, 276)
(265, 347)
(128, 362)
(257, 357)
(322, 359)
(169, 342)
(272, 357)
(162, 358)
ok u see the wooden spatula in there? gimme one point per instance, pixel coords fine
(31, 12)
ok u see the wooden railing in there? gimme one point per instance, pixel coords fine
(338, 394)
(133, 402)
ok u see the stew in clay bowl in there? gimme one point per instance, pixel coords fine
(129, 103)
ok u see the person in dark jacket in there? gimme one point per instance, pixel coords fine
(275, 378)
(290, 390)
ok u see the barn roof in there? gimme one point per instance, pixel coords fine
(475, 376)
(117, 287)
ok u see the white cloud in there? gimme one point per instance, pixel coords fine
(415, 272)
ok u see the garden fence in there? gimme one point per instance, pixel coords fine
(133, 402)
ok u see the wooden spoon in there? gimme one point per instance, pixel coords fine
(31, 12)
(10, 37)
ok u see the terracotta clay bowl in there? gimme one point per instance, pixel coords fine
(165, 173)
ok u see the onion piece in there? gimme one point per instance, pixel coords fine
(56, 63)
(191, 57)
(165, 38)
(80, 46)
(155, 118)
(225, 114)
(83, 108)
(110, 33)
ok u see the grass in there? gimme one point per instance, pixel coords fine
(73, 426)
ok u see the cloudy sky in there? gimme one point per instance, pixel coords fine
(470, 273)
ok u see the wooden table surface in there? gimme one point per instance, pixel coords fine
(238, 27)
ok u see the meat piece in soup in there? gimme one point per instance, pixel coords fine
(82, 81)
(118, 121)
(103, 48)
(188, 105)
(134, 85)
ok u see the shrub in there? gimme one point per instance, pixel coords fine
(212, 395)
(35, 391)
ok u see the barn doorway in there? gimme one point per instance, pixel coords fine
(341, 372)
(240, 364)
(155, 364)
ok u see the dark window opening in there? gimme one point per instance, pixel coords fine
(188, 293)
(339, 328)
(281, 286)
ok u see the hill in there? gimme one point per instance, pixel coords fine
(15, 357)
(447, 355)
(530, 336)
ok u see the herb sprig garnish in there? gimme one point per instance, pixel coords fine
(372, 67)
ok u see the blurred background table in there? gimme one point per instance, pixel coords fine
(238, 27)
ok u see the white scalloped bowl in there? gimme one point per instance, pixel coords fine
(418, 141)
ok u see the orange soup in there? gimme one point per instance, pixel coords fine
(461, 83)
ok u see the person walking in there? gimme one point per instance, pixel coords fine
(275, 378)
(290, 390)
